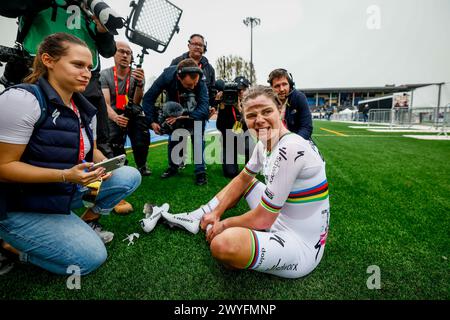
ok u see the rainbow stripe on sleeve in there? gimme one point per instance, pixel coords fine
(249, 172)
(269, 206)
(250, 187)
(316, 193)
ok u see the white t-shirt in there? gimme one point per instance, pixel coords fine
(19, 113)
(296, 186)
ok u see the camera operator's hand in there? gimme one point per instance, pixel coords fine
(139, 75)
(212, 111)
(219, 96)
(100, 27)
(156, 127)
(171, 120)
(121, 120)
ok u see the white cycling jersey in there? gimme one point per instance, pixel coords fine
(296, 189)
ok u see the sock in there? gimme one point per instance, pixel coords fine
(207, 208)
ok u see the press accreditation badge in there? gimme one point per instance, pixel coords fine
(237, 127)
(121, 101)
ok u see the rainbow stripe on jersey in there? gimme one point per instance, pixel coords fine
(316, 193)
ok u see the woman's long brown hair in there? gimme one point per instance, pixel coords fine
(54, 45)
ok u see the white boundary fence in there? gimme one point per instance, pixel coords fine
(437, 118)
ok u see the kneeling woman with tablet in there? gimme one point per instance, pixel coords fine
(44, 169)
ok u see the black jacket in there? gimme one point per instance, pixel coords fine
(298, 116)
(208, 72)
(168, 82)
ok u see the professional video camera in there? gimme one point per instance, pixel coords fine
(230, 91)
(107, 16)
(18, 64)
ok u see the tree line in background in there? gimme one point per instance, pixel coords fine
(231, 66)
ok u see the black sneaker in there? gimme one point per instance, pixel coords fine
(105, 236)
(145, 171)
(170, 172)
(200, 179)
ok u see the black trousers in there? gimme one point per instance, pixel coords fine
(137, 131)
(95, 96)
(231, 147)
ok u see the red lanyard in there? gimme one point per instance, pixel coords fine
(116, 83)
(81, 151)
(234, 113)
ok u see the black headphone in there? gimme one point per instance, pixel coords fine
(186, 70)
(203, 39)
(280, 72)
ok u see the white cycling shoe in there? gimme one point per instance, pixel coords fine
(152, 215)
(183, 221)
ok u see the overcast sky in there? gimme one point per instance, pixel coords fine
(323, 43)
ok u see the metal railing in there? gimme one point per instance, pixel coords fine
(436, 118)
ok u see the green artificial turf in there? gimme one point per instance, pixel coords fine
(390, 207)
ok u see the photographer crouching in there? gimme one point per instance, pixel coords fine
(231, 124)
(183, 84)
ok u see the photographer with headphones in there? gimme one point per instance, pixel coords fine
(117, 83)
(295, 112)
(197, 47)
(183, 84)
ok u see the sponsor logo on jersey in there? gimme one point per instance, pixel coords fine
(314, 147)
(269, 194)
(299, 154)
(282, 153)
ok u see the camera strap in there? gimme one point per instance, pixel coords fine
(121, 99)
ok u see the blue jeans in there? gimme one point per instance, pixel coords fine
(56, 241)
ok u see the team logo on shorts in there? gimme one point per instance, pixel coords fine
(278, 239)
(289, 267)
